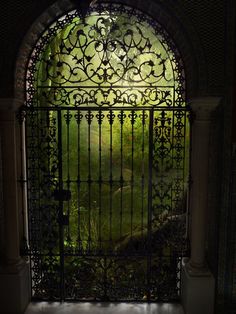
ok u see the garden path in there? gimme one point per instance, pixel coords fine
(103, 308)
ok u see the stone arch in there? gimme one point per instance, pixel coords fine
(176, 25)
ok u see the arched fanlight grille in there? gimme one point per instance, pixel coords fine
(115, 57)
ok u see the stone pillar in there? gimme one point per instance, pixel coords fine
(14, 272)
(198, 283)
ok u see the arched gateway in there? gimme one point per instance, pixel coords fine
(107, 142)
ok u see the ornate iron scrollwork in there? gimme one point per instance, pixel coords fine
(118, 57)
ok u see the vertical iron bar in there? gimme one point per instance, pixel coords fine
(89, 179)
(39, 247)
(149, 231)
(175, 171)
(121, 172)
(100, 178)
(79, 118)
(68, 171)
(142, 178)
(36, 200)
(189, 174)
(132, 173)
(184, 155)
(61, 233)
(110, 116)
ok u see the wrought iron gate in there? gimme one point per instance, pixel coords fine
(107, 160)
(106, 209)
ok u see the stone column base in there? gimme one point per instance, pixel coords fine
(15, 290)
(198, 291)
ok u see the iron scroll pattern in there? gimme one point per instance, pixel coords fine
(116, 57)
(115, 71)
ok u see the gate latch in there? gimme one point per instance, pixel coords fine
(63, 220)
(62, 195)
